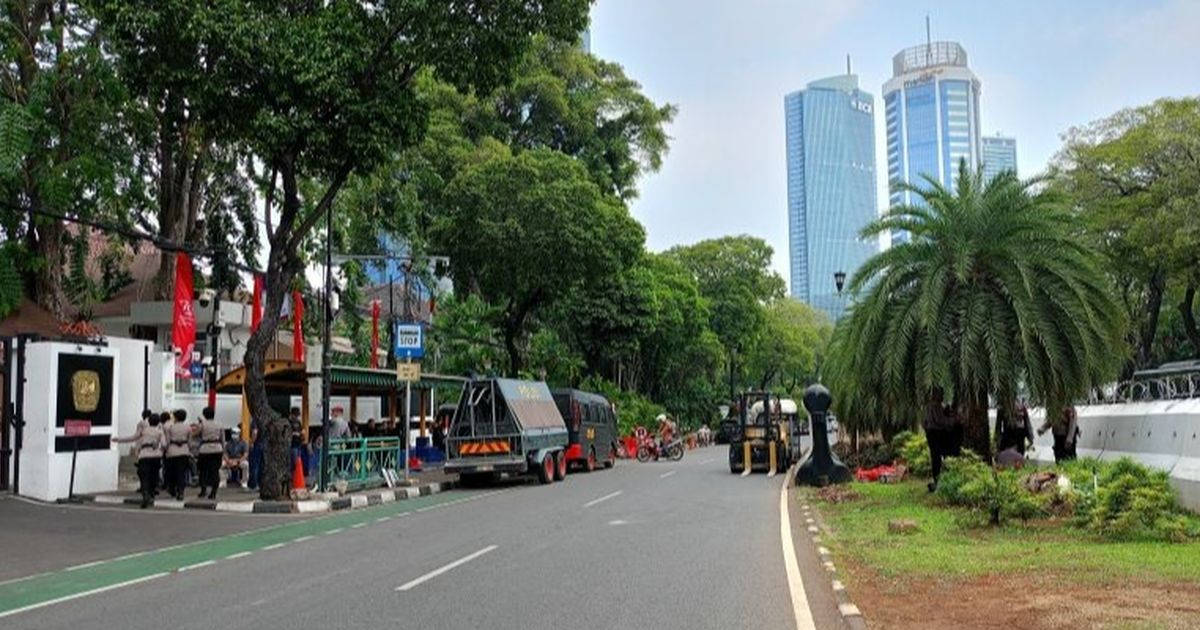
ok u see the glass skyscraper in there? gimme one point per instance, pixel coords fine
(831, 186)
(932, 118)
(999, 154)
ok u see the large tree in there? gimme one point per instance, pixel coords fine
(1135, 179)
(525, 230)
(734, 274)
(64, 140)
(995, 290)
(786, 350)
(317, 92)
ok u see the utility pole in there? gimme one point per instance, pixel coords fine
(326, 351)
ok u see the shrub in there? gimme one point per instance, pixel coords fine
(914, 450)
(1133, 502)
(869, 455)
(992, 496)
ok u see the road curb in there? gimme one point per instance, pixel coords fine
(308, 506)
(851, 614)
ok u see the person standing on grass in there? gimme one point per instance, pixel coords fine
(178, 436)
(940, 433)
(208, 456)
(1066, 434)
(148, 443)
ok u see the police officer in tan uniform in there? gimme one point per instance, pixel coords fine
(178, 435)
(148, 442)
(212, 446)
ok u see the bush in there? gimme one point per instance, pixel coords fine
(993, 496)
(1133, 502)
(869, 455)
(914, 450)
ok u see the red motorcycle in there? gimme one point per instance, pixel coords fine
(649, 449)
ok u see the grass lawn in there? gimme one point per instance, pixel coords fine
(1039, 575)
(944, 547)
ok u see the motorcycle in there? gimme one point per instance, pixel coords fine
(650, 449)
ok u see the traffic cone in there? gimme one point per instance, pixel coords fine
(298, 476)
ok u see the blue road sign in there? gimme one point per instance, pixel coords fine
(410, 341)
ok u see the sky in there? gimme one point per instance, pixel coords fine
(1045, 66)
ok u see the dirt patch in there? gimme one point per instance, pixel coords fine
(1013, 601)
(838, 494)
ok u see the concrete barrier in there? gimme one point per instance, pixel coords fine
(1162, 434)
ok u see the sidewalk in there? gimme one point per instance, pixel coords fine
(235, 499)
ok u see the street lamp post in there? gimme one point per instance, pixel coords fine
(326, 351)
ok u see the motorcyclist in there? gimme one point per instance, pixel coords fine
(666, 431)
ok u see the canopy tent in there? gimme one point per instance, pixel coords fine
(291, 377)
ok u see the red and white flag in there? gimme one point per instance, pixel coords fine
(183, 321)
(256, 308)
(375, 306)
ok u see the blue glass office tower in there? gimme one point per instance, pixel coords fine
(831, 186)
(931, 108)
(999, 154)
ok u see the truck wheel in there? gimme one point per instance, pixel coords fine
(546, 469)
(560, 466)
(612, 457)
(590, 464)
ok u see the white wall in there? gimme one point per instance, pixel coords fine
(131, 380)
(1163, 435)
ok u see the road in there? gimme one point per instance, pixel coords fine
(658, 545)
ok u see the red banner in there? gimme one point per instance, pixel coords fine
(297, 327)
(375, 334)
(256, 307)
(183, 322)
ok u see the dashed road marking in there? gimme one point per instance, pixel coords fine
(275, 546)
(240, 554)
(602, 499)
(102, 589)
(198, 565)
(667, 474)
(449, 567)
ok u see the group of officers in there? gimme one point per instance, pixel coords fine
(163, 442)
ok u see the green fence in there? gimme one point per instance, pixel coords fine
(360, 462)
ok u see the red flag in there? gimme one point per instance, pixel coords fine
(297, 327)
(183, 321)
(256, 308)
(375, 334)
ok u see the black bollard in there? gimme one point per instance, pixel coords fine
(820, 466)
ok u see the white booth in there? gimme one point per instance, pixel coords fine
(76, 384)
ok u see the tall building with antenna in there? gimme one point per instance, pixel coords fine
(931, 107)
(830, 127)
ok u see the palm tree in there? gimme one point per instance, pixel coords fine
(994, 289)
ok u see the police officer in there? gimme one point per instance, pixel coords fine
(148, 441)
(178, 434)
(212, 446)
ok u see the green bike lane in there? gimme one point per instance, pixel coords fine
(97, 577)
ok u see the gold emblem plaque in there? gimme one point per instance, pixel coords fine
(85, 390)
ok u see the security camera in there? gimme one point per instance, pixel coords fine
(206, 297)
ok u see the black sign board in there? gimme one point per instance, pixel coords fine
(85, 392)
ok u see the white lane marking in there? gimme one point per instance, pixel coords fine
(449, 567)
(67, 598)
(303, 539)
(706, 461)
(85, 565)
(383, 519)
(358, 526)
(275, 546)
(804, 619)
(667, 474)
(198, 565)
(240, 554)
(618, 522)
(602, 499)
(334, 531)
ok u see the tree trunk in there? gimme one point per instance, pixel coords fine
(1154, 298)
(514, 353)
(45, 284)
(1189, 317)
(976, 436)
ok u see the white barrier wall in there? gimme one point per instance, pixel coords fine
(1161, 434)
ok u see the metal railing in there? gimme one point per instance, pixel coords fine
(360, 462)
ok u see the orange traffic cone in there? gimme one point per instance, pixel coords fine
(298, 476)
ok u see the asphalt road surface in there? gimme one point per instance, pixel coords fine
(656, 545)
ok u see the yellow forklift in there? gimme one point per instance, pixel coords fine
(767, 435)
